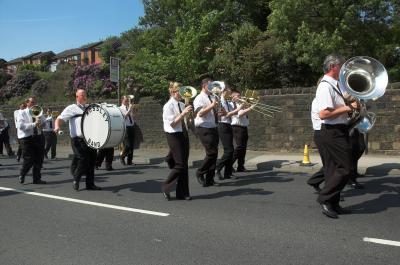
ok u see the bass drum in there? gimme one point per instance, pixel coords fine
(103, 125)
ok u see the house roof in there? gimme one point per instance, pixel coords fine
(43, 54)
(30, 55)
(15, 61)
(68, 53)
(2, 60)
(90, 45)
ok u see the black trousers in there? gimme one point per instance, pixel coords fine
(240, 135)
(108, 154)
(209, 139)
(129, 143)
(5, 140)
(83, 162)
(226, 136)
(357, 149)
(32, 156)
(179, 151)
(336, 160)
(51, 143)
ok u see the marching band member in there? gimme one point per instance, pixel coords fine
(4, 136)
(333, 113)
(108, 155)
(84, 159)
(174, 112)
(226, 136)
(206, 121)
(16, 113)
(240, 122)
(28, 129)
(50, 136)
(128, 112)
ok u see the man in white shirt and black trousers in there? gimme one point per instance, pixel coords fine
(50, 136)
(175, 129)
(337, 160)
(206, 121)
(28, 130)
(127, 111)
(84, 159)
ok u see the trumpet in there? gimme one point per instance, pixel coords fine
(252, 98)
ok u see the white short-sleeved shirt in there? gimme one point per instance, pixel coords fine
(170, 112)
(201, 101)
(49, 124)
(316, 121)
(240, 120)
(16, 113)
(228, 106)
(124, 110)
(26, 124)
(70, 114)
(327, 97)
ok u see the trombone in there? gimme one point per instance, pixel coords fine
(252, 98)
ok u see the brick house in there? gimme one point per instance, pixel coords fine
(90, 53)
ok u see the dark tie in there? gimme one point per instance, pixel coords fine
(215, 113)
(51, 124)
(129, 116)
(35, 131)
(184, 130)
(234, 105)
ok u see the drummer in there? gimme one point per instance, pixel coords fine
(84, 159)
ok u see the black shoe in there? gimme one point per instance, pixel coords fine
(186, 198)
(93, 187)
(356, 185)
(215, 184)
(220, 177)
(167, 196)
(21, 179)
(75, 185)
(241, 169)
(129, 163)
(328, 211)
(109, 168)
(316, 188)
(337, 208)
(122, 160)
(39, 181)
(200, 179)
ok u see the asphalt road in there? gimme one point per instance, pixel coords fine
(265, 216)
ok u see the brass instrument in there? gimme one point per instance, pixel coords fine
(55, 114)
(188, 92)
(216, 88)
(363, 78)
(252, 98)
(36, 112)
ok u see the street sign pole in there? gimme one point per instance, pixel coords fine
(114, 74)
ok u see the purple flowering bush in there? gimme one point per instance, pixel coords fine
(19, 85)
(94, 78)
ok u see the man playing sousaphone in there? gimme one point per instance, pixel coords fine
(129, 112)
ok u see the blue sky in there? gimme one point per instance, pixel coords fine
(28, 26)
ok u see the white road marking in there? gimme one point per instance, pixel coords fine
(116, 207)
(382, 241)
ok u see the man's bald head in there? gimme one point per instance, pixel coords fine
(81, 96)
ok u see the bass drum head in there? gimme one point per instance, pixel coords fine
(103, 126)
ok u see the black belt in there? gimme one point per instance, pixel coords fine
(340, 126)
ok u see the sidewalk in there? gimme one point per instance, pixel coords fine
(261, 160)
